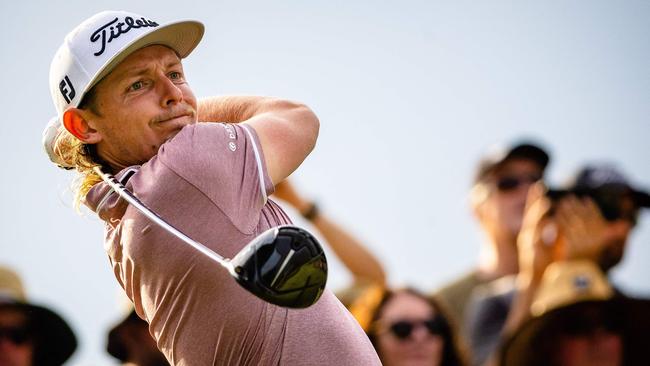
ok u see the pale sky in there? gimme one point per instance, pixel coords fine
(409, 95)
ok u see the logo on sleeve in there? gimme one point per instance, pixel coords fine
(231, 135)
(66, 89)
(113, 29)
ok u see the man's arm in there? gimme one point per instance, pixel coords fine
(535, 254)
(287, 130)
(579, 231)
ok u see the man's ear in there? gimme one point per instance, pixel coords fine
(76, 124)
(477, 197)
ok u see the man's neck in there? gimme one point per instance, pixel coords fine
(499, 257)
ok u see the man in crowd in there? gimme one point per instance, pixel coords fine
(30, 335)
(590, 220)
(498, 198)
(577, 320)
(125, 103)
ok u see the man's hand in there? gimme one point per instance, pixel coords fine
(582, 228)
(537, 235)
(535, 243)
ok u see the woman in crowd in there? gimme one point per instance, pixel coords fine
(406, 328)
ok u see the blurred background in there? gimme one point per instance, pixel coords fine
(410, 94)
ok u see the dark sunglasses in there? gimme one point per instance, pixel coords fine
(402, 329)
(510, 183)
(16, 335)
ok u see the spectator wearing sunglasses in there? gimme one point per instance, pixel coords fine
(406, 328)
(590, 220)
(498, 198)
(30, 335)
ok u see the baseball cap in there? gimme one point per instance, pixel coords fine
(96, 46)
(605, 176)
(568, 282)
(500, 154)
(54, 340)
(609, 188)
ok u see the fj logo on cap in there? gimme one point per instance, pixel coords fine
(66, 89)
(110, 31)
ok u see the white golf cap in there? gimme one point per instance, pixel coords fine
(100, 43)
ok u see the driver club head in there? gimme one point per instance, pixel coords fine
(285, 266)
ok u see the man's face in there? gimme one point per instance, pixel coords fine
(142, 103)
(507, 187)
(16, 347)
(589, 337)
(616, 234)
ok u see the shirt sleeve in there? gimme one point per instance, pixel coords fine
(226, 163)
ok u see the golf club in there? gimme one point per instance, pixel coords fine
(284, 265)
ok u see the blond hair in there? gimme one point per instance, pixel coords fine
(83, 158)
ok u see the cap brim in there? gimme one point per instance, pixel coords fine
(56, 340)
(641, 199)
(527, 151)
(181, 36)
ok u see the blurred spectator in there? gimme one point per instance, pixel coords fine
(30, 335)
(498, 198)
(578, 321)
(406, 328)
(590, 220)
(130, 342)
(363, 265)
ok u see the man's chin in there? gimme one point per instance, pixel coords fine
(171, 136)
(176, 131)
(610, 258)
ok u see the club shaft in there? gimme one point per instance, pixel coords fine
(127, 195)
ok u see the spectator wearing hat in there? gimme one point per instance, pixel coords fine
(591, 219)
(498, 197)
(130, 342)
(577, 319)
(30, 335)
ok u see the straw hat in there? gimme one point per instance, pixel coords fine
(575, 298)
(54, 341)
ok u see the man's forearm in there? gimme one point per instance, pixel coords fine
(233, 109)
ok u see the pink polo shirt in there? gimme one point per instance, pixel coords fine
(210, 181)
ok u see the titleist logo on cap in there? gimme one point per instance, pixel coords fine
(110, 31)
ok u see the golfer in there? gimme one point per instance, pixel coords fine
(124, 103)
